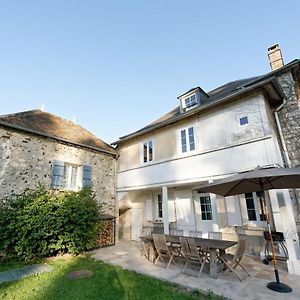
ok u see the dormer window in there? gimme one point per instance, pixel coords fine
(190, 101)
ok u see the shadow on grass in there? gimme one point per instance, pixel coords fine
(107, 282)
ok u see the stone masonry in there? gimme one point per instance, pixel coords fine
(26, 160)
(289, 117)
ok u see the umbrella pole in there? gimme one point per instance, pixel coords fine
(275, 286)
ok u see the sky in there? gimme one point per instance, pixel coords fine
(115, 66)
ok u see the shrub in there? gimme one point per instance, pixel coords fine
(43, 223)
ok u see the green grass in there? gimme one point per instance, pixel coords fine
(107, 282)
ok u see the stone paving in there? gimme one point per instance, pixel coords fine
(19, 273)
(127, 254)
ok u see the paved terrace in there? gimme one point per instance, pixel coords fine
(127, 254)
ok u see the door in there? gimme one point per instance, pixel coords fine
(205, 211)
(136, 223)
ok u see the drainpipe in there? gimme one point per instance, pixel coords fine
(285, 153)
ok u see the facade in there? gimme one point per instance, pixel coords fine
(38, 147)
(234, 128)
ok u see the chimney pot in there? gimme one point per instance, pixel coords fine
(275, 57)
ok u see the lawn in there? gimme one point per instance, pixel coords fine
(107, 282)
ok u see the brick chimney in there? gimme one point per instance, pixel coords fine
(275, 57)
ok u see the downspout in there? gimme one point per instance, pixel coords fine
(285, 153)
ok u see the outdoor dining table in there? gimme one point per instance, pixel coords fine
(209, 245)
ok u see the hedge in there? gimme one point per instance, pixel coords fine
(42, 223)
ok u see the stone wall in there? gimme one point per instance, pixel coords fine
(289, 117)
(27, 159)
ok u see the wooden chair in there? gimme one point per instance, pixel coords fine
(191, 254)
(146, 231)
(164, 252)
(215, 235)
(232, 261)
(178, 232)
(195, 233)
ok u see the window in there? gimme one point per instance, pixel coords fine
(243, 120)
(206, 211)
(253, 210)
(70, 177)
(66, 176)
(159, 206)
(190, 102)
(250, 207)
(187, 140)
(148, 151)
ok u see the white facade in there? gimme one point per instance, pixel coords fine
(233, 138)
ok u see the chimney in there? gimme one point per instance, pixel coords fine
(275, 57)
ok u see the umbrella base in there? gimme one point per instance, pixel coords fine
(279, 287)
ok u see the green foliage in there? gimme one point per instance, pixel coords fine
(42, 223)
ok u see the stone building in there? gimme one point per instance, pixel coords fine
(38, 147)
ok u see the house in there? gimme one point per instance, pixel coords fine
(209, 135)
(39, 147)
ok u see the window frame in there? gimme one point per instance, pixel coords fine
(147, 143)
(260, 217)
(68, 174)
(190, 144)
(244, 117)
(159, 211)
(205, 212)
(184, 105)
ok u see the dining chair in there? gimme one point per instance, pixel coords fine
(164, 252)
(232, 261)
(191, 254)
(178, 232)
(215, 235)
(195, 233)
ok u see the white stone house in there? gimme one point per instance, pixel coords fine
(39, 147)
(233, 128)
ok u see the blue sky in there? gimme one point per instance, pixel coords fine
(118, 65)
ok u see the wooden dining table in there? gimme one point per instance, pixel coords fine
(212, 246)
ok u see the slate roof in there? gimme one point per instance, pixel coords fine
(51, 126)
(216, 96)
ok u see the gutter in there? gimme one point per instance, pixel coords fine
(5, 124)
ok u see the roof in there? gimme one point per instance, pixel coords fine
(48, 125)
(216, 96)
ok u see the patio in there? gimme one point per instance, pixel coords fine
(128, 255)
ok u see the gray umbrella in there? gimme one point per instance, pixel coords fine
(254, 181)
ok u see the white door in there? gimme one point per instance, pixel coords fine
(205, 211)
(136, 223)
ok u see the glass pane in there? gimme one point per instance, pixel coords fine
(145, 152)
(159, 205)
(150, 151)
(73, 177)
(208, 216)
(193, 100)
(243, 120)
(251, 215)
(250, 203)
(183, 141)
(187, 102)
(191, 138)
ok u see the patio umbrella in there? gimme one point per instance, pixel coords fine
(255, 181)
